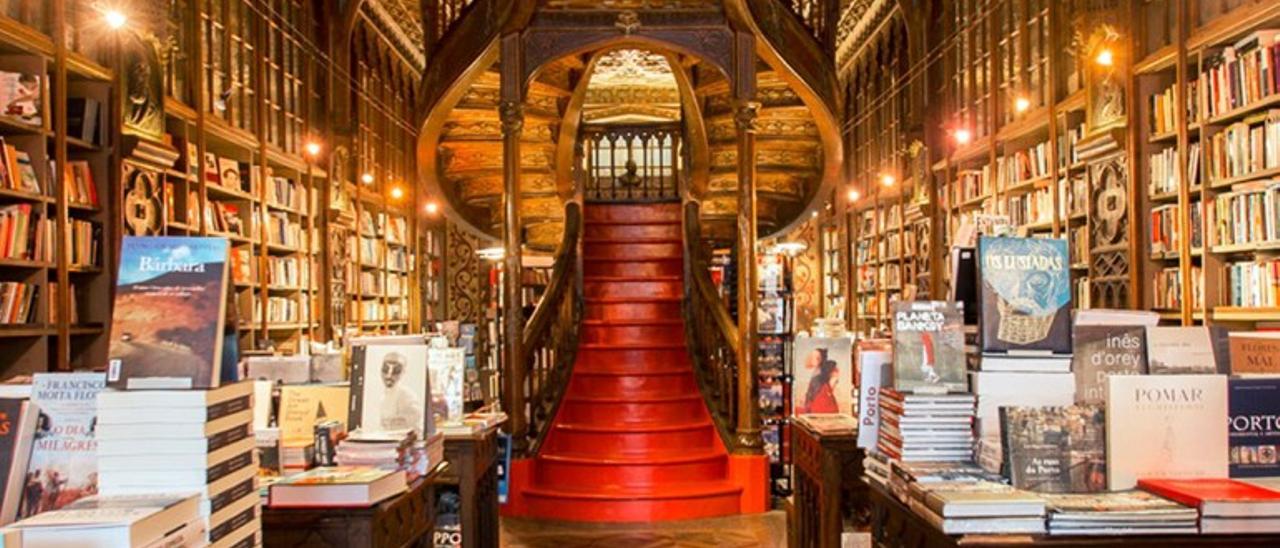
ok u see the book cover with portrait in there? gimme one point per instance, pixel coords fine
(823, 380)
(390, 388)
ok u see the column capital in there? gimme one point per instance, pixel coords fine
(745, 115)
(511, 113)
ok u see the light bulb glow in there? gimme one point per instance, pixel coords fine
(367, 178)
(397, 192)
(115, 19)
(962, 136)
(312, 148)
(432, 208)
(854, 195)
(1021, 104)
(1105, 57)
(887, 180)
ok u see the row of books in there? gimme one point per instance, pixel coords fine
(1163, 113)
(224, 218)
(1068, 143)
(1249, 214)
(281, 230)
(78, 178)
(398, 259)
(1162, 170)
(1166, 229)
(1023, 165)
(16, 170)
(397, 231)
(1073, 194)
(1241, 74)
(1078, 238)
(1245, 148)
(1034, 207)
(287, 193)
(281, 309)
(1166, 288)
(25, 234)
(288, 271)
(372, 283)
(86, 242)
(1254, 284)
(17, 302)
(73, 313)
(973, 184)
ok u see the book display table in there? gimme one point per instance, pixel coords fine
(894, 525)
(401, 521)
(828, 486)
(472, 468)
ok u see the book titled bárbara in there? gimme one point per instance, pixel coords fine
(928, 347)
(167, 326)
(1025, 302)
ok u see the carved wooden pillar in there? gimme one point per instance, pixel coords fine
(511, 114)
(746, 112)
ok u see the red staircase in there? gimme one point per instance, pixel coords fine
(633, 440)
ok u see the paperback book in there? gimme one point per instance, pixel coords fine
(928, 347)
(1055, 449)
(1025, 302)
(167, 325)
(64, 464)
(822, 375)
(446, 366)
(390, 386)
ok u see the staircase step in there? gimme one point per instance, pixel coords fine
(646, 308)
(593, 356)
(621, 386)
(638, 332)
(634, 250)
(627, 286)
(686, 500)
(632, 212)
(631, 266)
(631, 411)
(685, 464)
(588, 438)
(632, 231)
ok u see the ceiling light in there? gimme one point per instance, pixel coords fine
(1021, 104)
(1105, 57)
(854, 195)
(887, 179)
(115, 19)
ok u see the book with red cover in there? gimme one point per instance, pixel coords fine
(1217, 497)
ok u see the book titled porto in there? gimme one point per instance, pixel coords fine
(874, 363)
(64, 464)
(167, 326)
(928, 347)
(1254, 430)
(1102, 351)
(1025, 301)
(1165, 426)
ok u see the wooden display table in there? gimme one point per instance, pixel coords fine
(472, 468)
(828, 486)
(405, 520)
(893, 525)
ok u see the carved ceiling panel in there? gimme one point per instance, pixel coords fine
(632, 85)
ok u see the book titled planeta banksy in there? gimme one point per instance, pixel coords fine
(167, 326)
(928, 347)
(1025, 295)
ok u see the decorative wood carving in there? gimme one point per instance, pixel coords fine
(142, 200)
(463, 275)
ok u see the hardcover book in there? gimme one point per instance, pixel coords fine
(22, 97)
(390, 386)
(928, 347)
(167, 326)
(874, 369)
(1055, 449)
(1178, 350)
(302, 406)
(823, 379)
(64, 463)
(17, 433)
(1254, 432)
(1025, 302)
(1254, 353)
(1165, 426)
(1102, 351)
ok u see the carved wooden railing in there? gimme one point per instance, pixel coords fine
(440, 16)
(551, 338)
(818, 16)
(711, 333)
(632, 163)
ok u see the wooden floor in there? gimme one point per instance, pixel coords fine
(768, 530)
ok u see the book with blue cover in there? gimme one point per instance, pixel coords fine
(1025, 303)
(1253, 431)
(170, 304)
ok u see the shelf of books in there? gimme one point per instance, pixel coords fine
(834, 270)
(430, 273)
(55, 207)
(1210, 154)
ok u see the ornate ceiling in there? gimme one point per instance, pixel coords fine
(404, 19)
(631, 85)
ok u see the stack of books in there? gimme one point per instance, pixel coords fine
(108, 521)
(994, 390)
(831, 424)
(926, 427)
(336, 487)
(980, 507)
(1225, 506)
(1118, 513)
(184, 441)
(391, 450)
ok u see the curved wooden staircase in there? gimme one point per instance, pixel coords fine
(633, 439)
